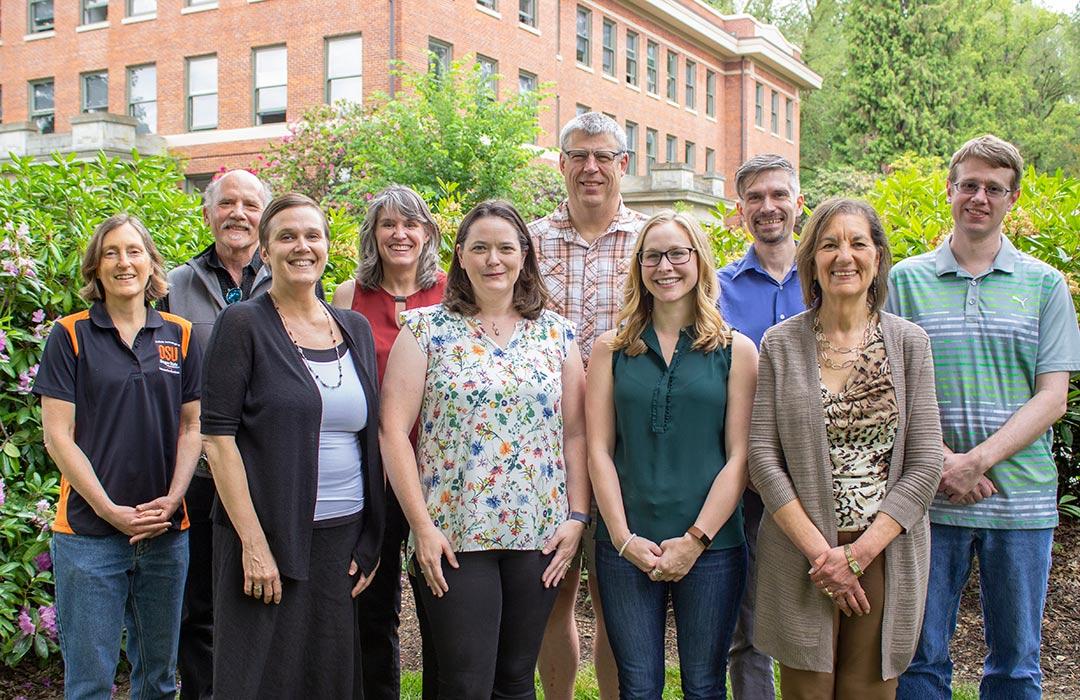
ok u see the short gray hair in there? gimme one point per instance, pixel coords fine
(593, 124)
(213, 190)
(410, 205)
(751, 169)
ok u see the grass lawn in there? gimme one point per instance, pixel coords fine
(585, 688)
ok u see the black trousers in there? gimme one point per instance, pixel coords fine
(488, 627)
(195, 659)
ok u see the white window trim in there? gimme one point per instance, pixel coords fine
(193, 9)
(91, 27)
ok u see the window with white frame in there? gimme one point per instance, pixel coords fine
(789, 119)
(689, 153)
(652, 67)
(42, 105)
(759, 105)
(94, 11)
(271, 84)
(344, 69)
(710, 93)
(142, 96)
(40, 16)
(672, 76)
(527, 82)
(650, 149)
(607, 48)
(141, 7)
(671, 149)
(202, 93)
(710, 160)
(631, 147)
(95, 92)
(440, 55)
(489, 4)
(583, 30)
(527, 12)
(775, 113)
(631, 58)
(489, 71)
(691, 84)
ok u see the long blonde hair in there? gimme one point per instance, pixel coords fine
(710, 328)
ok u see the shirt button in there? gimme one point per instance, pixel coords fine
(781, 286)
(974, 283)
(971, 301)
(782, 317)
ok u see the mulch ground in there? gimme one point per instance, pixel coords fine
(1060, 647)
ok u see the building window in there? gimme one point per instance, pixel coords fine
(489, 4)
(202, 91)
(1, 105)
(197, 184)
(94, 11)
(271, 78)
(42, 106)
(584, 36)
(691, 84)
(440, 54)
(344, 69)
(652, 63)
(789, 119)
(710, 160)
(95, 92)
(688, 154)
(710, 93)
(775, 113)
(607, 50)
(141, 7)
(580, 109)
(489, 71)
(672, 76)
(196, 3)
(527, 12)
(41, 16)
(526, 82)
(650, 149)
(759, 105)
(142, 97)
(631, 58)
(631, 147)
(671, 149)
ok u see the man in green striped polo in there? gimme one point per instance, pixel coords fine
(1005, 339)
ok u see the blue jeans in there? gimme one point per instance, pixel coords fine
(104, 584)
(706, 604)
(1014, 569)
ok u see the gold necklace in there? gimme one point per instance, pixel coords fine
(825, 347)
(307, 363)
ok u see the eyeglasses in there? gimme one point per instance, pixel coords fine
(971, 188)
(675, 256)
(581, 157)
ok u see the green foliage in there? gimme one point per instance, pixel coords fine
(835, 181)
(47, 212)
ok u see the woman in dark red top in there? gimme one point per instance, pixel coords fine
(398, 270)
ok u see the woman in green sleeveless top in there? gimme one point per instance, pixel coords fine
(669, 397)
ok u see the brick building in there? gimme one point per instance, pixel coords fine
(218, 78)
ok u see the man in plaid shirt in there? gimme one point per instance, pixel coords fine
(583, 248)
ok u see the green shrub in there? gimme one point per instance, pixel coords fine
(47, 212)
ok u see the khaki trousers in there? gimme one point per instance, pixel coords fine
(856, 650)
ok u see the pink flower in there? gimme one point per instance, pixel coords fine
(38, 316)
(47, 615)
(43, 561)
(25, 383)
(26, 625)
(3, 492)
(10, 268)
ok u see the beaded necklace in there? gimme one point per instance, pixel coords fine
(307, 363)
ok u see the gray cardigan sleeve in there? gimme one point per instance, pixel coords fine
(768, 470)
(910, 497)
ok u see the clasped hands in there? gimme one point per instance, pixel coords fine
(144, 521)
(963, 481)
(668, 561)
(833, 576)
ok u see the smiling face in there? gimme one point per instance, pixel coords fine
(978, 216)
(591, 184)
(296, 246)
(491, 256)
(845, 259)
(667, 282)
(234, 215)
(399, 240)
(770, 206)
(124, 268)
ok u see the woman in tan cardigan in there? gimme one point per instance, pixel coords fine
(846, 452)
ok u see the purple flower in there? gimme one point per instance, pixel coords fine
(47, 615)
(38, 316)
(42, 507)
(25, 381)
(10, 268)
(3, 492)
(43, 561)
(3, 341)
(26, 625)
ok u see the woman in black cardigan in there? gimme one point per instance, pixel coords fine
(290, 424)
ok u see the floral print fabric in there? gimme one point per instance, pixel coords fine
(490, 449)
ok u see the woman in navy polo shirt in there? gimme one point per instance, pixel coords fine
(119, 387)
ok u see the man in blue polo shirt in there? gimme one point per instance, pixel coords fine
(1004, 335)
(756, 292)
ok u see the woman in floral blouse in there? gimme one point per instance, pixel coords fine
(496, 491)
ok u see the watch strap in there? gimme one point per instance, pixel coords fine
(584, 518)
(699, 534)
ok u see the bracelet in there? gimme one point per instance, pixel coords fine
(583, 518)
(852, 563)
(626, 543)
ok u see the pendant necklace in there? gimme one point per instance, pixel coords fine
(307, 363)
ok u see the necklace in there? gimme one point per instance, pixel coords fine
(483, 329)
(307, 363)
(825, 347)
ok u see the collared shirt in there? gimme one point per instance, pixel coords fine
(225, 279)
(752, 301)
(586, 280)
(127, 407)
(991, 335)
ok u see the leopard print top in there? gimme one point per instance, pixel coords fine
(860, 423)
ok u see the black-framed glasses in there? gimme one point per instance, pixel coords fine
(675, 256)
(233, 295)
(971, 188)
(581, 156)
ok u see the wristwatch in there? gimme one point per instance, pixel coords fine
(583, 518)
(699, 534)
